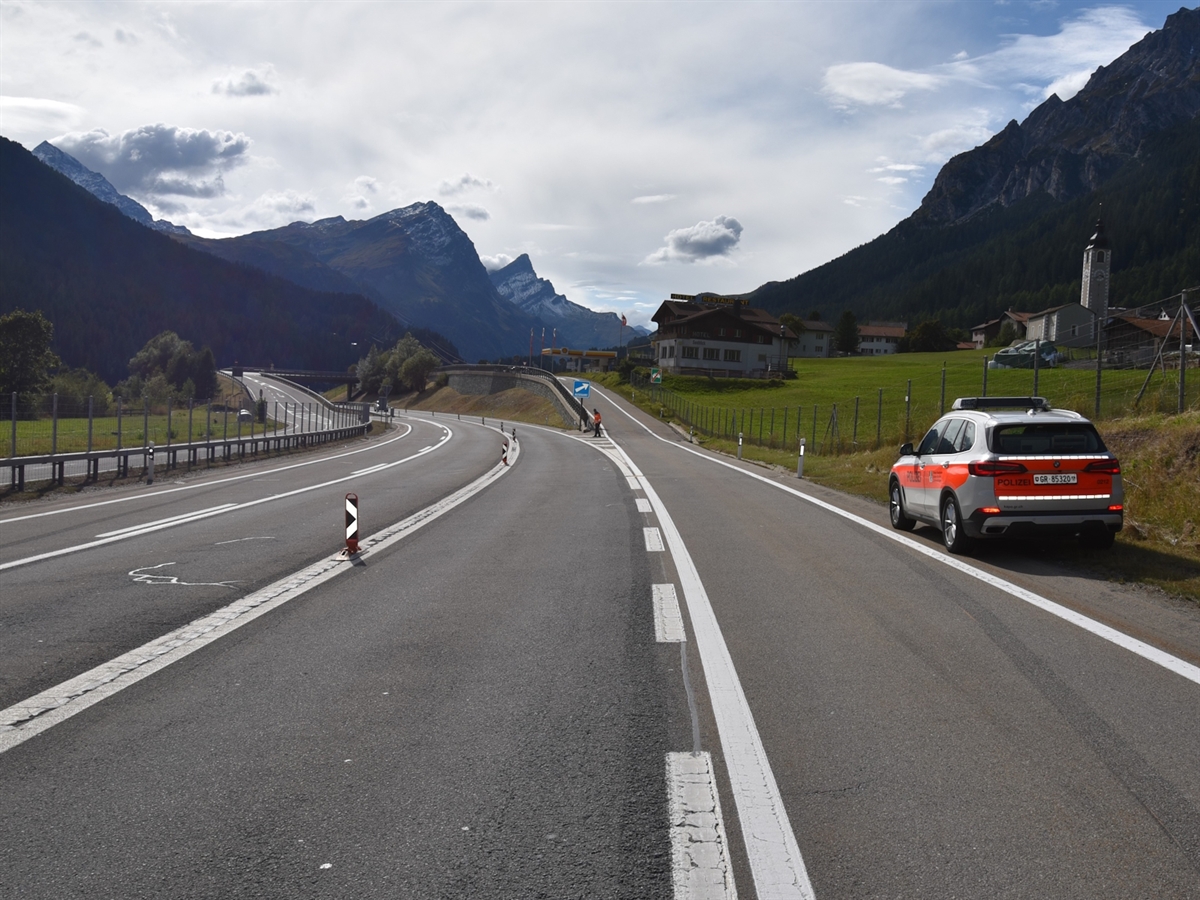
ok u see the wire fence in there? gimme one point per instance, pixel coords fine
(1147, 362)
(41, 425)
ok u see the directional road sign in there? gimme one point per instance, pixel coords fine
(582, 390)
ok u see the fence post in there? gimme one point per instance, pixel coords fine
(191, 408)
(1037, 358)
(145, 422)
(208, 421)
(814, 431)
(119, 410)
(1183, 354)
(985, 362)
(879, 421)
(54, 424)
(89, 449)
(783, 442)
(170, 401)
(907, 408)
(854, 434)
(943, 411)
(1099, 362)
(13, 447)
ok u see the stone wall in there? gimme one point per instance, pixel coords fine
(492, 382)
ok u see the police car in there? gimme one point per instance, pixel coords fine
(1009, 467)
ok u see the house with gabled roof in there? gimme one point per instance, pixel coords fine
(719, 336)
(988, 330)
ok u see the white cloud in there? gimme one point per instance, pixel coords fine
(160, 159)
(653, 198)
(469, 210)
(20, 114)
(249, 83)
(872, 84)
(700, 242)
(497, 262)
(462, 184)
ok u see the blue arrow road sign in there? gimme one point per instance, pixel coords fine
(582, 389)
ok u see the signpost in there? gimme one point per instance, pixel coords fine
(656, 376)
(351, 524)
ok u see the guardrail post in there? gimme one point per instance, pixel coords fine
(89, 449)
(54, 425)
(191, 408)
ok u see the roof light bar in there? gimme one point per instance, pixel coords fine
(1001, 403)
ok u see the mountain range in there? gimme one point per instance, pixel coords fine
(1005, 224)
(108, 284)
(414, 262)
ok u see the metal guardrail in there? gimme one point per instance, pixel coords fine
(224, 448)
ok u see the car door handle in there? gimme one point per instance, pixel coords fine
(945, 465)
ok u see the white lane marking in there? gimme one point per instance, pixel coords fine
(146, 575)
(239, 540)
(217, 511)
(700, 867)
(32, 716)
(370, 469)
(654, 542)
(775, 861)
(643, 505)
(150, 495)
(668, 620)
(172, 520)
(633, 483)
(1133, 645)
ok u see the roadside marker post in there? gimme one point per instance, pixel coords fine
(351, 524)
(800, 461)
(739, 445)
(150, 463)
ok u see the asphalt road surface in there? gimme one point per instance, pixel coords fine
(200, 700)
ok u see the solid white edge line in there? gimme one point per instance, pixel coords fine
(1105, 632)
(59, 703)
(138, 531)
(172, 520)
(774, 855)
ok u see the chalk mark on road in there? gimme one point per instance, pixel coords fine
(143, 575)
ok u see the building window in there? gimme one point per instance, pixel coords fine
(737, 333)
(712, 353)
(1099, 256)
(720, 332)
(733, 356)
(687, 352)
(671, 352)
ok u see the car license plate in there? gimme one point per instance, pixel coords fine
(1056, 478)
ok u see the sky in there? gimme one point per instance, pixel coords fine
(632, 149)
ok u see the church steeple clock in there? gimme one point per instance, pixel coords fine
(1097, 261)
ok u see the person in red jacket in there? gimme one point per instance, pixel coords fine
(596, 421)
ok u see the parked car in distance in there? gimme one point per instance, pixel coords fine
(1020, 356)
(1009, 467)
(244, 415)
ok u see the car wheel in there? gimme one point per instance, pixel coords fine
(896, 509)
(953, 535)
(1097, 539)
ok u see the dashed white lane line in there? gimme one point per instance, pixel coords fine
(668, 620)
(32, 716)
(152, 495)
(171, 520)
(1104, 632)
(654, 541)
(138, 530)
(700, 864)
(774, 855)
(643, 505)
(634, 483)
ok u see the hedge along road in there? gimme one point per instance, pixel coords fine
(931, 733)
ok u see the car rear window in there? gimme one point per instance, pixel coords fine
(1040, 438)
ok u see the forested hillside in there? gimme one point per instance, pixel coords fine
(1027, 256)
(109, 284)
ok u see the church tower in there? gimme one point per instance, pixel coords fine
(1097, 260)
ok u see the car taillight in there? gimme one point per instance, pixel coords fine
(991, 469)
(1104, 467)
(1116, 507)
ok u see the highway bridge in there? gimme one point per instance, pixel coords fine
(596, 667)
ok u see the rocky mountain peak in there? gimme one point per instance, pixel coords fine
(1069, 147)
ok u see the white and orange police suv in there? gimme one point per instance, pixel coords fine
(1009, 467)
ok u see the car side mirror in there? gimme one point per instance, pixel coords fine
(906, 450)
